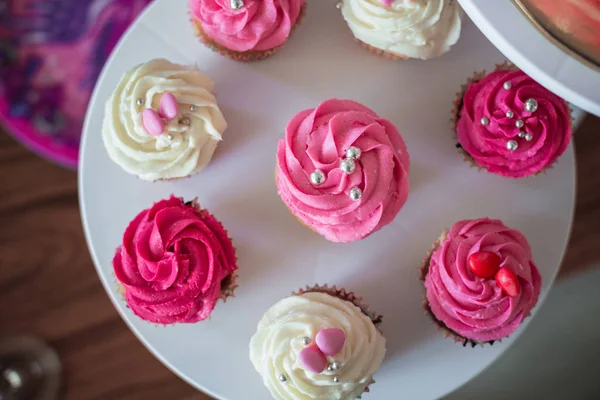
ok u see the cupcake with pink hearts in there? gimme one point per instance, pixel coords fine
(162, 121)
(320, 343)
(342, 170)
(510, 125)
(246, 30)
(176, 261)
(481, 281)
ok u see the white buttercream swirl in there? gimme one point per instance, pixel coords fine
(414, 28)
(157, 157)
(275, 347)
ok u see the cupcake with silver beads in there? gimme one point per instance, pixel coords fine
(510, 125)
(163, 122)
(342, 170)
(320, 343)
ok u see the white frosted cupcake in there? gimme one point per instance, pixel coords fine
(321, 343)
(162, 122)
(402, 29)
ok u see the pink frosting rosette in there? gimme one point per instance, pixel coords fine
(175, 263)
(342, 170)
(477, 308)
(511, 125)
(247, 25)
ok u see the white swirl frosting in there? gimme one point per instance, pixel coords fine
(188, 141)
(275, 347)
(413, 28)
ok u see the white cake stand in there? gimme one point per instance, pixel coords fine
(276, 254)
(516, 37)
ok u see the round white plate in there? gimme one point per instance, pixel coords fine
(276, 254)
(509, 30)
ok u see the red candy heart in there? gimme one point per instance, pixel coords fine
(484, 264)
(508, 282)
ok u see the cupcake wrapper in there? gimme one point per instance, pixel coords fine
(440, 326)
(457, 106)
(228, 284)
(381, 53)
(344, 295)
(244, 56)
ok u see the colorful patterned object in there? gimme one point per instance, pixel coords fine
(51, 53)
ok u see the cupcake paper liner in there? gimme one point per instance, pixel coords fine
(228, 284)
(381, 53)
(457, 106)
(342, 294)
(448, 333)
(245, 56)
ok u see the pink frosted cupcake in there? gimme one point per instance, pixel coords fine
(480, 281)
(511, 125)
(342, 170)
(175, 263)
(245, 30)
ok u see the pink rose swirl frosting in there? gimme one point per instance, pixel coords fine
(549, 125)
(318, 139)
(172, 262)
(473, 307)
(259, 25)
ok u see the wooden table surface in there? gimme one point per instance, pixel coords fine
(49, 287)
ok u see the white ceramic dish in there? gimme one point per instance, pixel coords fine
(515, 36)
(276, 254)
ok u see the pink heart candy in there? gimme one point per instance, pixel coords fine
(152, 122)
(387, 3)
(168, 106)
(330, 341)
(312, 359)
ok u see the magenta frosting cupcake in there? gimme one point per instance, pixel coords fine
(245, 30)
(480, 281)
(175, 263)
(510, 125)
(342, 170)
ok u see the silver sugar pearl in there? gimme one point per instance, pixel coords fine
(353, 153)
(531, 105)
(236, 4)
(330, 367)
(170, 136)
(529, 137)
(485, 121)
(306, 340)
(193, 108)
(317, 177)
(519, 123)
(336, 365)
(282, 378)
(355, 193)
(338, 5)
(512, 145)
(521, 134)
(507, 85)
(510, 114)
(140, 102)
(348, 165)
(185, 121)
(336, 379)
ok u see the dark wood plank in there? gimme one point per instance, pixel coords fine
(49, 287)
